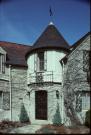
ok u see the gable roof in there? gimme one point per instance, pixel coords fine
(75, 45)
(80, 41)
(15, 53)
(50, 38)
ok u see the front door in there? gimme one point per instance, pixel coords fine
(41, 105)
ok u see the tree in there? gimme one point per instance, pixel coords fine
(57, 117)
(23, 114)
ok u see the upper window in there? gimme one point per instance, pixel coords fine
(40, 61)
(2, 63)
(86, 60)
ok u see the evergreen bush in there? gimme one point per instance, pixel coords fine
(57, 117)
(23, 114)
(87, 118)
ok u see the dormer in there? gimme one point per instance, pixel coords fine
(2, 60)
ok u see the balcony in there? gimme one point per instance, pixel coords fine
(40, 77)
(43, 77)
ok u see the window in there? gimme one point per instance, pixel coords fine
(86, 63)
(82, 101)
(2, 63)
(40, 61)
(1, 100)
(85, 101)
(86, 60)
(4, 100)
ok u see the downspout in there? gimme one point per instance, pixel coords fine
(62, 93)
(10, 85)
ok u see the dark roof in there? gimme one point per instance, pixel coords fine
(50, 38)
(75, 45)
(15, 53)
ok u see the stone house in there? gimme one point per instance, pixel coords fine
(43, 76)
(76, 80)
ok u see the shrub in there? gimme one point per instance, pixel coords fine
(87, 118)
(57, 117)
(23, 115)
(4, 124)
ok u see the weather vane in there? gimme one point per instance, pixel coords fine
(51, 13)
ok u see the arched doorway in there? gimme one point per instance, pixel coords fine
(41, 105)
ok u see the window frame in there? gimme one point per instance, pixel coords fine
(41, 65)
(79, 101)
(2, 63)
(84, 104)
(86, 60)
(2, 104)
(1, 93)
(37, 64)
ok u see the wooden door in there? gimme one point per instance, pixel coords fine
(41, 105)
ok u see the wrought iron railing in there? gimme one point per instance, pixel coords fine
(40, 77)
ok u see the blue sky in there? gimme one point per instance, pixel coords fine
(22, 21)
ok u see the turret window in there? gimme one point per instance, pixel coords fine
(40, 62)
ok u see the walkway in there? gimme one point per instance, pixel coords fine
(26, 129)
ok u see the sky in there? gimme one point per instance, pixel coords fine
(23, 21)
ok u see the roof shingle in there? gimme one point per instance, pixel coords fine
(50, 38)
(15, 53)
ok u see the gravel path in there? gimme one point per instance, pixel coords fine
(26, 129)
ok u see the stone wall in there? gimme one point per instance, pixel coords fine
(75, 81)
(52, 101)
(4, 88)
(19, 88)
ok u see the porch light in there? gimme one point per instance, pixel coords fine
(57, 94)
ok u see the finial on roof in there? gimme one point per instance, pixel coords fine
(51, 23)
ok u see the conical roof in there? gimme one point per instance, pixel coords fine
(50, 38)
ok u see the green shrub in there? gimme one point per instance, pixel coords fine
(23, 114)
(57, 117)
(87, 118)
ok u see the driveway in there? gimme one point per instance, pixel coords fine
(26, 129)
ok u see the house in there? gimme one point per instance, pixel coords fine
(43, 76)
(76, 77)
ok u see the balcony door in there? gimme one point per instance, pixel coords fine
(41, 105)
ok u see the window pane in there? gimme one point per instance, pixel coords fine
(86, 60)
(3, 63)
(0, 100)
(6, 100)
(85, 101)
(41, 60)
